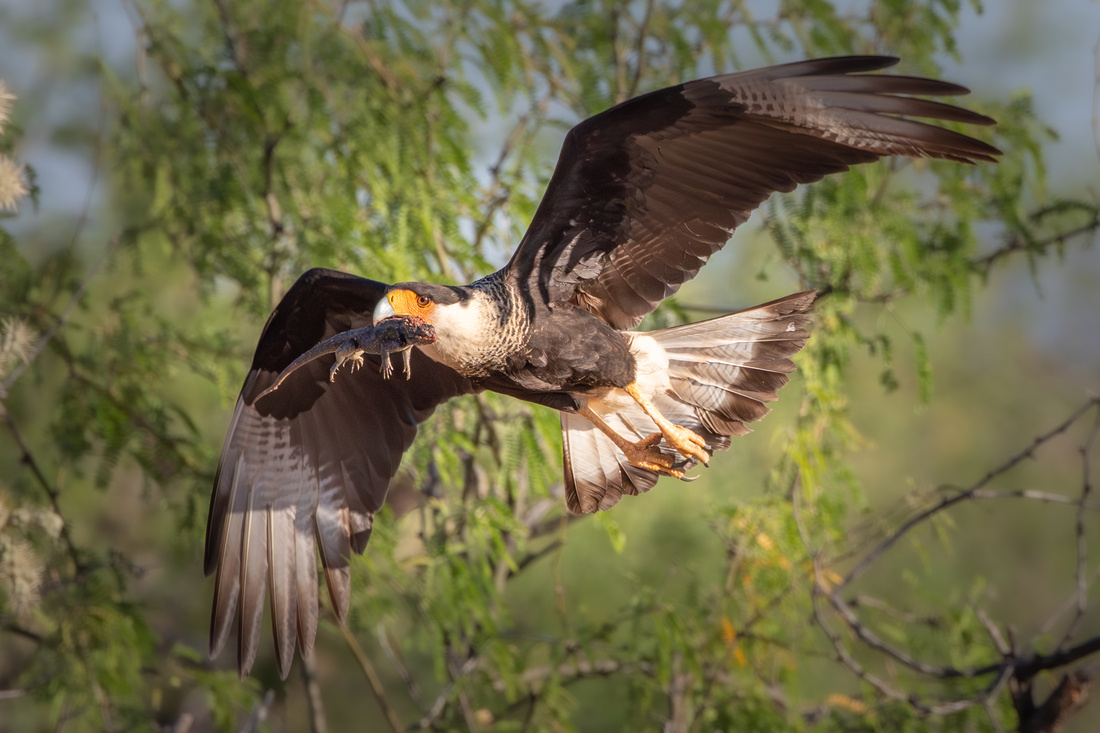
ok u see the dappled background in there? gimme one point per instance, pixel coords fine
(142, 268)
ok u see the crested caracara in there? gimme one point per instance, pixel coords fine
(642, 195)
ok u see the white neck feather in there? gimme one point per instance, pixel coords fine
(467, 335)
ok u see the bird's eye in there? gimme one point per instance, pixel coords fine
(423, 301)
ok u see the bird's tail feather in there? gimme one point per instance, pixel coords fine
(722, 373)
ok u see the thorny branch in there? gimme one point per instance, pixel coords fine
(966, 494)
(1014, 669)
(259, 713)
(62, 320)
(497, 193)
(318, 722)
(1019, 243)
(1082, 552)
(1067, 605)
(372, 679)
(1067, 699)
(51, 491)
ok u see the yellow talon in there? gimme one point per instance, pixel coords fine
(645, 454)
(688, 444)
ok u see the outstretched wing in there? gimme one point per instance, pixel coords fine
(306, 467)
(644, 193)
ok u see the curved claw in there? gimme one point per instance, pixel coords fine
(688, 444)
(645, 454)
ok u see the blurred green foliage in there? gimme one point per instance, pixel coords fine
(253, 140)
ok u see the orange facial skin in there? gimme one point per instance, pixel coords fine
(408, 303)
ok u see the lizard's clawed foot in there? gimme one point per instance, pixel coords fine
(349, 351)
(406, 361)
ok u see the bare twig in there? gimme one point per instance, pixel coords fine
(233, 44)
(1012, 669)
(497, 193)
(968, 493)
(1082, 549)
(373, 58)
(457, 671)
(62, 320)
(20, 631)
(1018, 243)
(259, 713)
(989, 699)
(1041, 496)
(1066, 605)
(392, 651)
(51, 491)
(909, 618)
(1064, 702)
(869, 638)
(535, 556)
(1061, 658)
(582, 669)
(995, 636)
(840, 651)
(372, 679)
(678, 708)
(314, 701)
(184, 723)
(639, 51)
(1022, 669)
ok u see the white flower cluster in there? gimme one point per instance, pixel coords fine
(16, 343)
(13, 186)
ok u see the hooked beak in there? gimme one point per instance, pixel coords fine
(384, 309)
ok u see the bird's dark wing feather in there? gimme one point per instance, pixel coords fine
(644, 193)
(306, 467)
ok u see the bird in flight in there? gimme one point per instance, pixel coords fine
(642, 195)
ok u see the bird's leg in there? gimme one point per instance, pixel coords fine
(643, 454)
(686, 442)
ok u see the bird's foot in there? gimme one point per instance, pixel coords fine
(646, 454)
(688, 444)
(685, 442)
